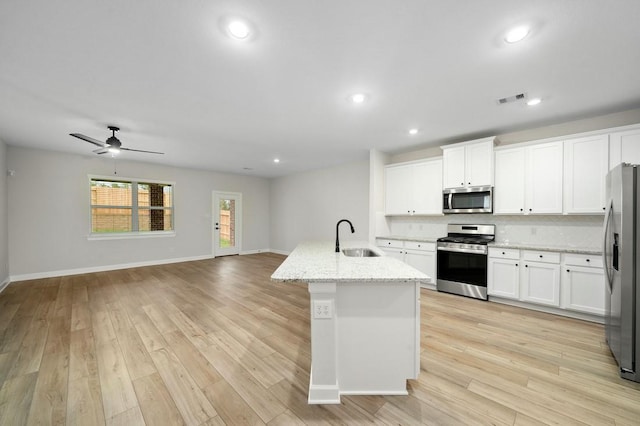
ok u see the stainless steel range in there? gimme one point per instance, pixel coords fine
(462, 260)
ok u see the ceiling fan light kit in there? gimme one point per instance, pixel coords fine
(112, 145)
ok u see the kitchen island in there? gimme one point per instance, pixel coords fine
(365, 320)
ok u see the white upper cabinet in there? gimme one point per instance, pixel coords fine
(414, 188)
(529, 180)
(586, 162)
(544, 178)
(454, 165)
(468, 164)
(508, 194)
(625, 147)
(397, 180)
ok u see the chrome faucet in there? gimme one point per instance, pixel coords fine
(338, 226)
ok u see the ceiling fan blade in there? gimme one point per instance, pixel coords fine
(140, 150)
(88, 139)
(103, 150)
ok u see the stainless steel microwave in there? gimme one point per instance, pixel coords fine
(478, 199)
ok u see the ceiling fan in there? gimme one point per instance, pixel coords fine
(111, 145)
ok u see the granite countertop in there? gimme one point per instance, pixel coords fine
(318, 262)
(511, 245)
(540, 247)
(415, 239)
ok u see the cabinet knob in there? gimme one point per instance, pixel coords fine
(526, 266)
(540, 256)
(502, 252)
(588, 260)
(469, 183)
(530, 210)
(521, 210)
(604, 208)
(568, 270)
(462, 183)
(516, 264)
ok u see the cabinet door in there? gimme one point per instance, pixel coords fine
(625, 147)
(586, 162)
(423, 261)
(397, 190)
(583, 289)
(396, 253)
(544, 179)
(453, 167)
(541, 283)
(508, 194)
(503, 277)
(427, 187)
(479, 164)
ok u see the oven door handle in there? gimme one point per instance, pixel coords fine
(462, 250)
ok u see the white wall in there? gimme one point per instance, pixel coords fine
(4, 221)
(617, 119)
(307, 206)
(49, 213)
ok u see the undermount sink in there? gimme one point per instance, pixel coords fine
(360, 252)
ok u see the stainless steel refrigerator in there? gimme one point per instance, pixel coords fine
(621, 253)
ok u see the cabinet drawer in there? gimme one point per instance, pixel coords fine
(541, 256)
(588, 260)
(382, 242)
(503, 253)
(414, 245)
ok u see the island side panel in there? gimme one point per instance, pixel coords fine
(323, 381)
(378, 331)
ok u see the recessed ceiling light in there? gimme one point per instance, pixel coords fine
(413, 131)
(238, 29)
(517, 34)
(359, 98)
(276, 160)
(534, 101)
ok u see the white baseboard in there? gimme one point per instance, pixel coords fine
(4, 284)
(243, 252)
(285, 253)
(65, 272)
(549, 310)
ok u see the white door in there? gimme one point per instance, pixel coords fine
(453, 167)
(227, 223)
(508, 195)
(478, 160)
(541, 283)
(503, 278)
(586, 162)
(398, 181)
(544, 185)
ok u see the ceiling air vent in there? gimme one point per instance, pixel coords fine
(514, 98)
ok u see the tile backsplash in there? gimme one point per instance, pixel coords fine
(563, 231)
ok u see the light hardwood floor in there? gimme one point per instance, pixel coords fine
(216, 342)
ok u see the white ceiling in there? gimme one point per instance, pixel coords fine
(169, 76)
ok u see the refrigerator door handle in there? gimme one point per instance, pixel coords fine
(607, 221)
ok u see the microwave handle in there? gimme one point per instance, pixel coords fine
(450, 202)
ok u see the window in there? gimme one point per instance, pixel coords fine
(125, 206)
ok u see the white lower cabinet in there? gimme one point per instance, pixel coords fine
(392, 248)
(420, 255)
(569, 282)
(503, 274)
(541, 278)
(583, 284)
